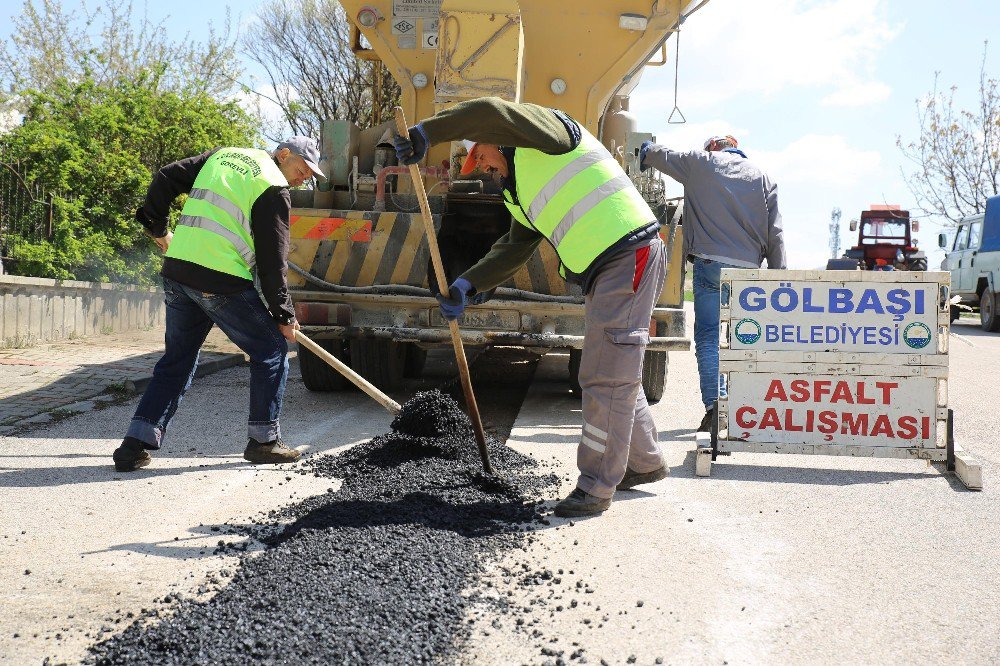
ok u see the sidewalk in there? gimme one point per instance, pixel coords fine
(51, 381)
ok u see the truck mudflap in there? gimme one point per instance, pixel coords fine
(436, 336)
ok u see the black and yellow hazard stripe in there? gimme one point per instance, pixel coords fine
(363, 248)
(358, 248)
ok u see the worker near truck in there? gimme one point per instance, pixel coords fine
(731, 220)
(562, 186)
(234, 225)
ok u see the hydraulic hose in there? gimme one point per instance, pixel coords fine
(408, 290)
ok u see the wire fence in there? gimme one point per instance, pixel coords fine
(25, 210)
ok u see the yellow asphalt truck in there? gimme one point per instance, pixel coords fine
(359, 266)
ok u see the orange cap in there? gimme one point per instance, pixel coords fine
(470, 164)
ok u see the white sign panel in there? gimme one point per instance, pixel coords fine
(882, 317)
(430, 40)
(827, 409)
(416, 8)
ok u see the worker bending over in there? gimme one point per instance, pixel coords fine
(235, 223)
(561, 185)
(731, 220)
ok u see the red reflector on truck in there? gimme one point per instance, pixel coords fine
(318, 314)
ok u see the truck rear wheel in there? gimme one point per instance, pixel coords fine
(574, 371)
(316, 374)
(988, 319)
(918, 264)
(416, 359)
(654, 373)
(382, 362)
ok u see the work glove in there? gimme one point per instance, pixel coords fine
(453, 305)
(411, 149)
(642, 155)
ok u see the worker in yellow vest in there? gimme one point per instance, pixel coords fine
(563, 187)
(233, 227)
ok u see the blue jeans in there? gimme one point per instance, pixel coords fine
(190, 316)
(706, 328)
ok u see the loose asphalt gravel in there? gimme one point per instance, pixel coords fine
(381, 571)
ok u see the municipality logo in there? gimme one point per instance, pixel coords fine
(747, 331)
(917, 335)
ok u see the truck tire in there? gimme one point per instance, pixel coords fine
(574, 371)
(988, 318)
(382, 362)
(918, 264)
(316, 374)
(654, 374)
(416, 359)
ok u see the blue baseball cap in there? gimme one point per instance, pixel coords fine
(306, 148)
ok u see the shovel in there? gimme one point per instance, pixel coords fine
(344, 369)
(456, 334)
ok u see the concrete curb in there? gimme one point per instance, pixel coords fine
(132, 387)
(205, 368)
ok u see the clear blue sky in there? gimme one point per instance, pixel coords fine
(815, 90)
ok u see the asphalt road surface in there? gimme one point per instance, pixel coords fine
(773, 559)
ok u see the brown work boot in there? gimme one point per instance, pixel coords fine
(580, 503)
(633, 479)
(131, 455)
(260, 453)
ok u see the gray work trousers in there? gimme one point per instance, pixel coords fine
(618, 429)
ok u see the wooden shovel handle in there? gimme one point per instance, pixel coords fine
(456, 334)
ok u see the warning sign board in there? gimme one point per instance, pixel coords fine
(863, 315)
(415, 9)
(849, 410)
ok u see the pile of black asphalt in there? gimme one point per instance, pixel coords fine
(376, 572)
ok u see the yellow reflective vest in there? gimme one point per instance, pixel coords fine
(214, 228)
(581, 201)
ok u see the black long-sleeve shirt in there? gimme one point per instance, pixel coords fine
(269, 224)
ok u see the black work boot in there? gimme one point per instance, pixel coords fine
(633, 479)
(269, 452)
(580, 503)
(131, 455)
(706, 421)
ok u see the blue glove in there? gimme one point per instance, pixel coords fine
(411, 149)
(642, 154)
(453, 305)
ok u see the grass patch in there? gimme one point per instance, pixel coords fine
(119, 389)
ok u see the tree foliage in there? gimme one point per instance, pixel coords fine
(96, 144)
(305, 48)
(108, 43)
(957, 153)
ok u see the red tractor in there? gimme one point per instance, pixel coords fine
(885, 242)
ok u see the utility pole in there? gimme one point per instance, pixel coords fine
(835, 233)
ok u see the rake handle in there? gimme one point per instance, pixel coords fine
(344, 369)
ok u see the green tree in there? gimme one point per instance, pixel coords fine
(97, 146)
